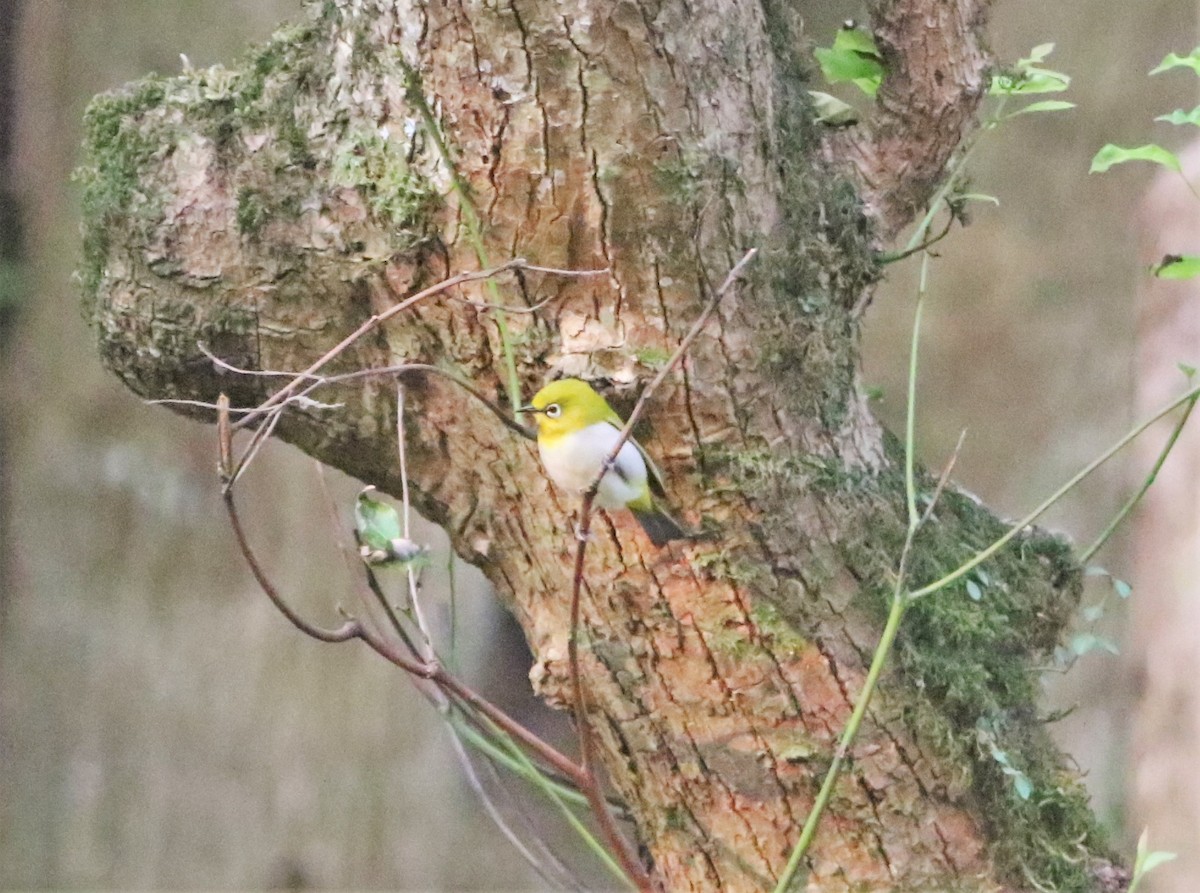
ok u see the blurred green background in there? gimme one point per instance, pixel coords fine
(162, 727)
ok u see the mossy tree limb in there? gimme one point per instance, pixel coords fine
(267, 210)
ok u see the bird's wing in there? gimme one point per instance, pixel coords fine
(654, 476)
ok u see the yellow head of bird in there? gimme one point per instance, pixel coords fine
(568, 405)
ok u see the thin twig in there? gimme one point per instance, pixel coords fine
(1188, 396)
(686, 343)
(379, 319)
(544, 862)
(547, 862)
(943, 478)
(1086, 555)
(410, 575)
(592, 789)
(353, 629)
(380, 372)
(532, 308)
(392, 616)
(896, 256)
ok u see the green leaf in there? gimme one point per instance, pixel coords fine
(1123, 589)
(1179, 116)
(854, 59)
(1174, 60)
(1027, 76)
(1155, 859)
(1189, 372)
(976, 197)
(377, 522)
(1083, 643)
(831, 110)
(855, 40)
(1037, 54)
(1045, 105)
(1159, 857)
(1111, 155)
(1146, 860)
(1177, 266)
(973, 590)
(1028, 81)
(1022, 785)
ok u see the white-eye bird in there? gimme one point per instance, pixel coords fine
(577, 431)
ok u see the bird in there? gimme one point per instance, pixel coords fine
(576, 432)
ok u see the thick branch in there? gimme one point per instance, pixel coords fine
(927, 105)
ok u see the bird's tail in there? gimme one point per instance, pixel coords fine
(659, 526)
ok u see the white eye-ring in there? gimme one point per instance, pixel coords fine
(553, 411)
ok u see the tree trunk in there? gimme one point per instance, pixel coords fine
(266, 211)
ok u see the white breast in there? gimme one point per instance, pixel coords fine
(574, 461)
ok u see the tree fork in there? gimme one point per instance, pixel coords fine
(267, 211)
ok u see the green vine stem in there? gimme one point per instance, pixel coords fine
(1190, 396)
(1086, 555)
(474, 235)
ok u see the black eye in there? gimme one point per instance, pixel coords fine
(553, 411)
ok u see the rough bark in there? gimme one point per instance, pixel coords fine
(266, 211)
(937, 76)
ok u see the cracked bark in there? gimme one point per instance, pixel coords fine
(268, 211)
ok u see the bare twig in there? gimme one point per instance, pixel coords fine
(393, 618)
(531, 308)
(544, 861)
(351, 629)
(686, 343)
(322, 380)
(379, 319)
(591, 788)
(410, 575)
(354, 629)
(943, 478)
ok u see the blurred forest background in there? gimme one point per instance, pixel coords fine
(162, 727)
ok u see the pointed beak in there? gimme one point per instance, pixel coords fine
(529, 407)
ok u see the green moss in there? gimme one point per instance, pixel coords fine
(970, 665)
(121, 138)
(732, 643)
(677, 819)
(958, 662)
(771, 624)
(689, 177)
(252, 213)
(379, 170)
(821, 260)
(255, 119)
(726, 564)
